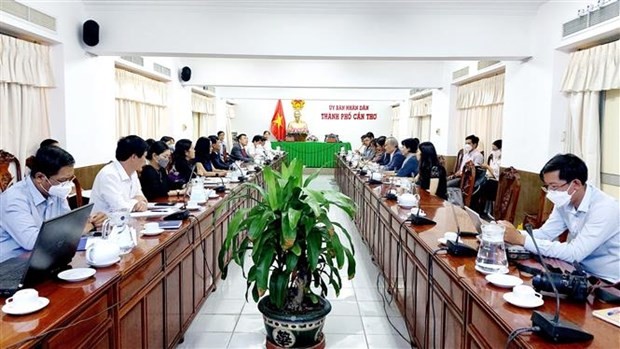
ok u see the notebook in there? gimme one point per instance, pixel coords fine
(54, 249)
(611, 315)
(174, 224)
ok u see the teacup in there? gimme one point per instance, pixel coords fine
(103, 252)
(407, 200)
(450, 236)
(24, 297)
(151, 226)
(376, 176)
(525, 292)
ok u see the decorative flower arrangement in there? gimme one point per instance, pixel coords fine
(298, 104)
(297, 131)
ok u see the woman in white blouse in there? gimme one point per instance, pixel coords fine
(489, 188)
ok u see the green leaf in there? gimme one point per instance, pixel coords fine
(311, 177)
(291, 261)
(289, 234)
(272, 191)
(278, 288)
(296, 249)
(293, 218)
(313, 247)
(351, 264)
(262, 270)
(339, 250)
(257, 225)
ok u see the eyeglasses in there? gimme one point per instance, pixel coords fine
(547, 188)
(65, 182)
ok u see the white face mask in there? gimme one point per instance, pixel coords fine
(559, 198)
(496, 154)
(467, 148)
(60, 190)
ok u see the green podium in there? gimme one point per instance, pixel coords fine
(312, 154)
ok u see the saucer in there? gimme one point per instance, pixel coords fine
(406, 206)
(14, 309)
(153, 232)
(193, 208)
(501, 271)
(530, 302)
(502, 280)
(103, 265)
(75, 275)
(214, 196)
(416, 212)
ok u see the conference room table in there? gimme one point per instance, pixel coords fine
(148, 299)
(313, 154)
(464, 310)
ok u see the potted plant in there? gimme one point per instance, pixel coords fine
(296, 254)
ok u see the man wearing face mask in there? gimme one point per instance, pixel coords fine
(470, 153)
(590, 216)
(40, 196)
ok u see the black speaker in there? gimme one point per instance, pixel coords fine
(90, 33)
(186, 74)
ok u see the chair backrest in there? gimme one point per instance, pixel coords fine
(508, 190)
(459, 159)
(9, 163)
(468, 181)
(78, 192)
(542, 214)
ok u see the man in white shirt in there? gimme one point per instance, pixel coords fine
(591, 217)
(116, 186)
(255, 149)
(470, 153)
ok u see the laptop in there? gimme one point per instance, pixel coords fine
(54, 249)
(476, 220)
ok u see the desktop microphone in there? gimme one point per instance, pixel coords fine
(221, 188)
(389, 195)
(241, 177)
(183, 213)
(550, 325)
(456, 248)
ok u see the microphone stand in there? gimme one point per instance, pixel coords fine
(550, 325)
(456, 248)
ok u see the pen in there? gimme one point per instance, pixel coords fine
(614, 312)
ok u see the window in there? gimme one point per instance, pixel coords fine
(203, 115)
(420, 118)
(610, 123)
(395, 120)
(141, 105)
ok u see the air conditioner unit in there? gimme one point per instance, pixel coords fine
(591, 18)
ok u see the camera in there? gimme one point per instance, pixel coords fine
(573, 285)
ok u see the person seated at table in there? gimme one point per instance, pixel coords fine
(117, 186)
(221, 135)
(216, 155)
(42, 195)
(394, 157)
(183, 160)
(239, 150)
(255, 149)
(410, 164)
(431, 171)
(267, 137)
(380, 155)
(470, 153)
(154, 176)
(369, 151)
(488, 190)
(169, 142)
(590, 216)
(203, 157)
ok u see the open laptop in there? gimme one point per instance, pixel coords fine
(54, 249)
(476, 221)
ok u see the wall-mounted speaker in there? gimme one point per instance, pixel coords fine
(186, 74)
(90, 32)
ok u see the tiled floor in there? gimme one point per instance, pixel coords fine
(357, 320)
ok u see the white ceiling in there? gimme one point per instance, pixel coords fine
(519, 7)
(344, 44)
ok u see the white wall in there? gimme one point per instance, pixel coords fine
(254, 117)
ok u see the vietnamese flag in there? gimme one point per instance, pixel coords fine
(278, 123)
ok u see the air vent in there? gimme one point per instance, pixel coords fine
(460, 73)
(416, 90)
(209, 88)
(29, 14)
(486, 64)
(595, 17)
(134, 59)
(161, 69)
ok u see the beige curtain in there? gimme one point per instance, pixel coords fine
(203, 115)
(230, 114)
(141, 105)
(395, 121)
(480, 107)
(420, 118)
(25, 77)
(589, 72)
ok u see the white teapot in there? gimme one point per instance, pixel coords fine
(102, 252)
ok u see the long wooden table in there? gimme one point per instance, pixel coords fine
(148, 300)
(313, 154)
(465, 310)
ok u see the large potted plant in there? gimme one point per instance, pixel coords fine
(296, 254)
